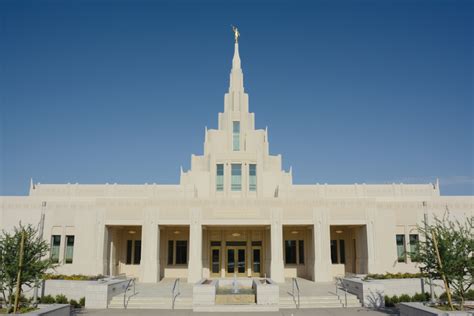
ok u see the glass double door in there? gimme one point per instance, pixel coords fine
(235, 261)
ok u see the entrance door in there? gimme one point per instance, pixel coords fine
(215, 261)
(235, 261)
(256, 261)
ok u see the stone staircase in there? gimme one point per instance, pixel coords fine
(323, 301)
(138, 302)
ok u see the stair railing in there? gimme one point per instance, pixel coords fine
(340, 282)
(130, 283)
(175, 291)
(296, 297)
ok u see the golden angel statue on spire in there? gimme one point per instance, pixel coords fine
(236, 33)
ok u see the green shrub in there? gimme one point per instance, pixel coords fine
(393, 276)
(82, 301)
(388, 301)
(405, 298)
(395, 299)
(74, 303)
(73, 277)
(61, 299)
(420, 297)
(444, 297)
(470, 295)
(47, 299)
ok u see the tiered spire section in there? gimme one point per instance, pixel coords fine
(236, 75)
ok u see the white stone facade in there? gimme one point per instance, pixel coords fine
(235, 211)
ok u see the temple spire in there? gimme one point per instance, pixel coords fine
(236, 75)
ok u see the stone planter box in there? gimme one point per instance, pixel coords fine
(52, 310)
(268, 293)
(204, 293)
(99, 295)
(418, 309)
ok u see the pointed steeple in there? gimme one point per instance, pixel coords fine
(236, 75)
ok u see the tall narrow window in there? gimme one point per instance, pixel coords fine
(129, 252)
(342, 251)
(236, 135)
(236, 184)
(170, 251)
(69, 249)
(55, 244)
(137, 254)
(290, 251)
(401, 252)
(220, 177)
(301, 251)
(413, 246)
(334, 251)
(181, 251)
(252, 177)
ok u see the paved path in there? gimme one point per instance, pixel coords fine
(286, 312)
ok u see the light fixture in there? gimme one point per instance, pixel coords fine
(339, 231)
(176, 232)
(236, 234)
(295, 232)
(131, 232)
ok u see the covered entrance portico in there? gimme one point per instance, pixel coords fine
(242, 251)
(349, 249)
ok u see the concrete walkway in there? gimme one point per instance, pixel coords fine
(287, 312)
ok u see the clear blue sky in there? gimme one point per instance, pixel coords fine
(352, 91)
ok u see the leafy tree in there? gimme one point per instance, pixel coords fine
(34, 263)
(456, 248)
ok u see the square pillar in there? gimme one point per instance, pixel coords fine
(276, 239)
(322, 247)
(102, 250)
(150, 263)
(195, 247)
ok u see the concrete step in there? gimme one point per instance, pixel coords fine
(151, 303)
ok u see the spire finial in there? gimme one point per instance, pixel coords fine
(236, 33)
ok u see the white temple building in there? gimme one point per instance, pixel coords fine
(236, 211)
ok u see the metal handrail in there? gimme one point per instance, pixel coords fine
(175, 291)
(343, 285)
(125, 301)
(294, 285)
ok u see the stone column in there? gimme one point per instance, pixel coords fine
(322, 246)
(276, 239)
(150, 264)
(195, 247)
(102, 250)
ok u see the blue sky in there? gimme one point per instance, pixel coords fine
(352, 91)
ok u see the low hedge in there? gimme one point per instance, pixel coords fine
(62, 299)
(73, 277)
(394, 276)
(418, 297)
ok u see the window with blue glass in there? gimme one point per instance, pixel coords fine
(236, 181)
(236, 135)
(220, 177)
(252, 177)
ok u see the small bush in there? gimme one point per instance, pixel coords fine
(61, 299)
(47, 299)
(393, 276)
(388, 301)
(395, 299)
(82, 301)
(73, 277)
(444, 297)
(405, 298)
(74, 303)
(470, 295)
(420, 297)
